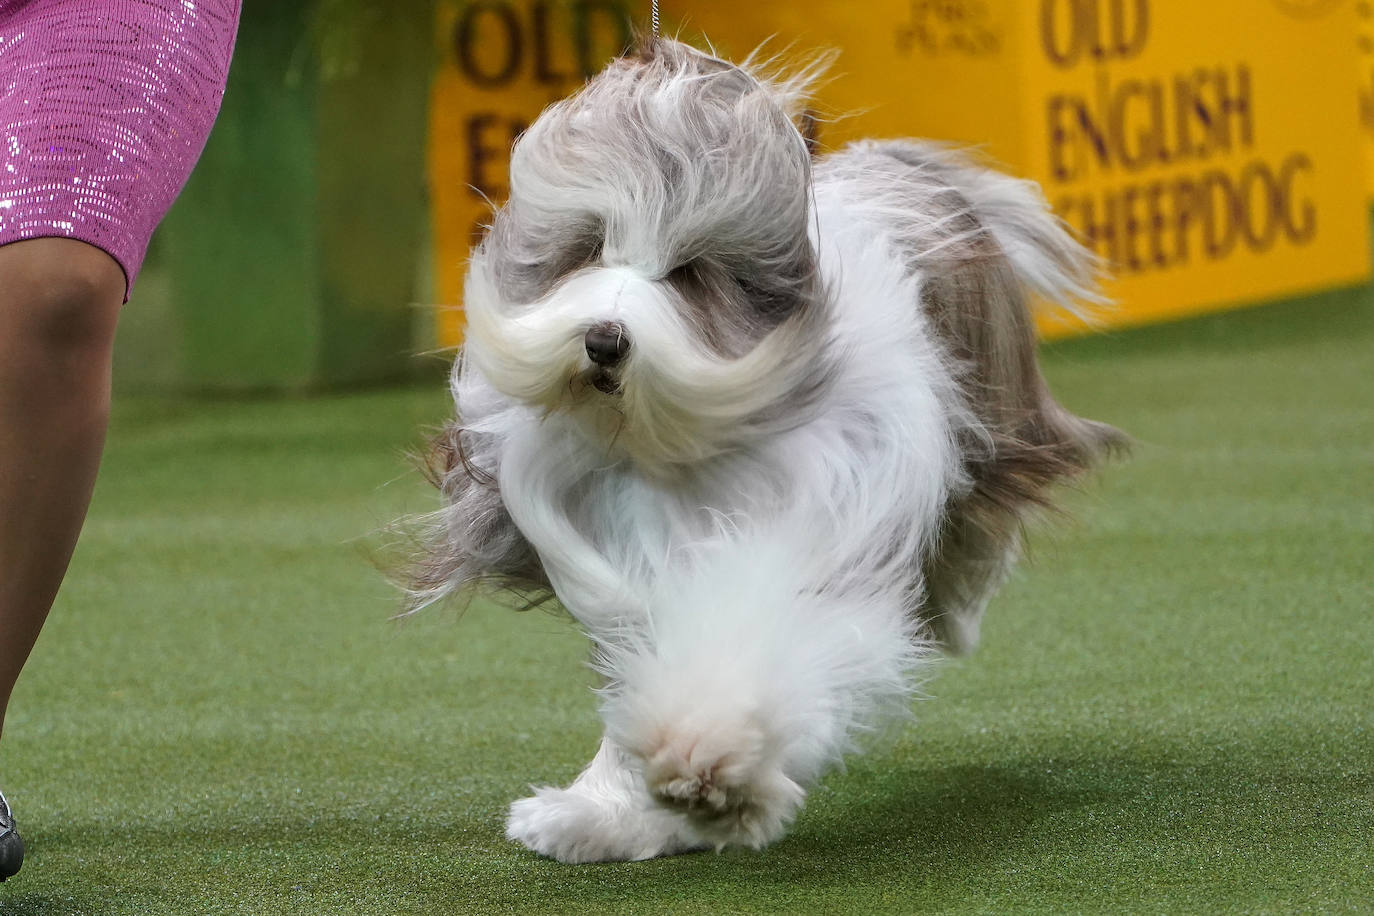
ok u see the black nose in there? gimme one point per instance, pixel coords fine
(607, 344)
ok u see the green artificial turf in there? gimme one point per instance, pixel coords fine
(1171, 711)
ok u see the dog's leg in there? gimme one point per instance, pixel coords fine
(972, 562)
(606, 815)
(748, 683)
(726, 775)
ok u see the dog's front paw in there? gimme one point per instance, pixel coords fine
(725, 780)
(576, 826)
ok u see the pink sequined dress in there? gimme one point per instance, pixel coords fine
(105, 106)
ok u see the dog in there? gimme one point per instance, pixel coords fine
(768, 426)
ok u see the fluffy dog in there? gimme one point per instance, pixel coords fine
(766, 426)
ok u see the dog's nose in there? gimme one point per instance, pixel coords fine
(607, 344)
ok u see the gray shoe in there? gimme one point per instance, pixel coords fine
(11, 846)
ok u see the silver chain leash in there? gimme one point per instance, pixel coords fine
(653, 17)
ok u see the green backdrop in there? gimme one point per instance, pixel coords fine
(295, 257)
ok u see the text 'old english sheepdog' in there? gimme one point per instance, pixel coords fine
(766, 426)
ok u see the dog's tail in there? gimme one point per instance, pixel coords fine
(1045, 256)
(986, 246)
(1049, 269)
(1022, 255)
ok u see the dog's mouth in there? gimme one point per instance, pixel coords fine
(603, 381)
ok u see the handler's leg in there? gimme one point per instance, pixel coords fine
(59, 301)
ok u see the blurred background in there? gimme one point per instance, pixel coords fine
(1213, 154)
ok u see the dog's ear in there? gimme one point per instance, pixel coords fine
(444, 455)
(472, 540)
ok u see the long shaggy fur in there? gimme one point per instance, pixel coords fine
(804, 468)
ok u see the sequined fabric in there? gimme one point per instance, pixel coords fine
(105, 106)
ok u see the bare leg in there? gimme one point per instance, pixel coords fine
(59, 301)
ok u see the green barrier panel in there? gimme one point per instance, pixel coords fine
(290, 260)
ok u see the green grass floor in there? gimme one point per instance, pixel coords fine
(1173, 710)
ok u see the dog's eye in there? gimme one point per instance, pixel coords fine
(767, 301)
(585, 252)
(593, 240)
(686, 275)
(752, 290)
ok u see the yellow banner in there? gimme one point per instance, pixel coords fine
(1206, 150)
(503, 61)
(1365, 43)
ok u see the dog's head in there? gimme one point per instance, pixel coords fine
(652, 273)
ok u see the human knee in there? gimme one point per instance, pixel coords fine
(62, 297)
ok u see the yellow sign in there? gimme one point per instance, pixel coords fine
(1206, 151)
(503, 61)
(1364, 41)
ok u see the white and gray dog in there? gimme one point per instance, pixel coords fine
(766, 426)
